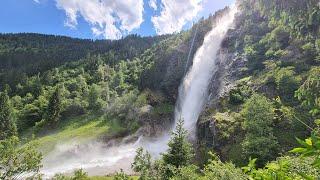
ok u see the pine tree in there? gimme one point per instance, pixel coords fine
(54, 106)
(180, 152)
(7, 125)
(142, 164)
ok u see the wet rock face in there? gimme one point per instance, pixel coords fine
(153, 124)
(228, 70)
(206, 132)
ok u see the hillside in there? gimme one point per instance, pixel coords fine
(30, 53)
(263, 95)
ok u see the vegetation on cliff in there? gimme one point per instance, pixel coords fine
(52, 92)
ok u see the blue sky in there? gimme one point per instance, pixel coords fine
(100, 19)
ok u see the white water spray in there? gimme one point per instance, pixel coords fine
(193, 91)
(97, 158)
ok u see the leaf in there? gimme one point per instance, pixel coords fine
(316, 162)
(317, 122)
(303, 143)
(317, 144)
(273, 166)
(309, 141)
(309, 153)
(298, 150)
(306, 176)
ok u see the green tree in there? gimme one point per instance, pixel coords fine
(94, 98)
(180, 152)
(18, 161)
(7, 124)
(309, 92)
(80, 175)
(55, 106)
(259, 141)
(121, 176)
(142, 164)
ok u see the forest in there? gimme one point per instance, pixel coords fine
(266, 121)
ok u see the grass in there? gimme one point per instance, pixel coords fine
(80, 129)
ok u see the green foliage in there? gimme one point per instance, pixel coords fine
(54, 107)
(310, 148)
(283, 168)
(142, 164)
(240, 94)
(111, 75)
(77, 175)
(287, 83)
(94, 98)
(29, 53)
(80, 175)
(60, 177)
(17, 161)
(217, 170)
(259, 140)
(254, 54)
(126, 108)
(279, 37)
(121, 176)
(190, 172)
(164, 171)
(175, 162)
(180, 152)
(227, 124)
(7, 124)
(309, 92)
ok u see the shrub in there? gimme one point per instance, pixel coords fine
(217, 170)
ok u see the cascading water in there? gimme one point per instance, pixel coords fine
(97, 158)
(193, 90)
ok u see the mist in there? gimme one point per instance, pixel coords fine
(98, 158)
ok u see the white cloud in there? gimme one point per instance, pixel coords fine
(153, 4)
(175, 14)
(110, 18)
(36, 1)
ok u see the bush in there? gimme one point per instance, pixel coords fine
(190, 172)
(217, 170)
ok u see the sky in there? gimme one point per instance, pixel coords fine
(103, 19)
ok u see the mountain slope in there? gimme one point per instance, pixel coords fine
(28, 53)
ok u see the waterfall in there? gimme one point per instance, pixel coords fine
(96, 158)
(194, 89)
